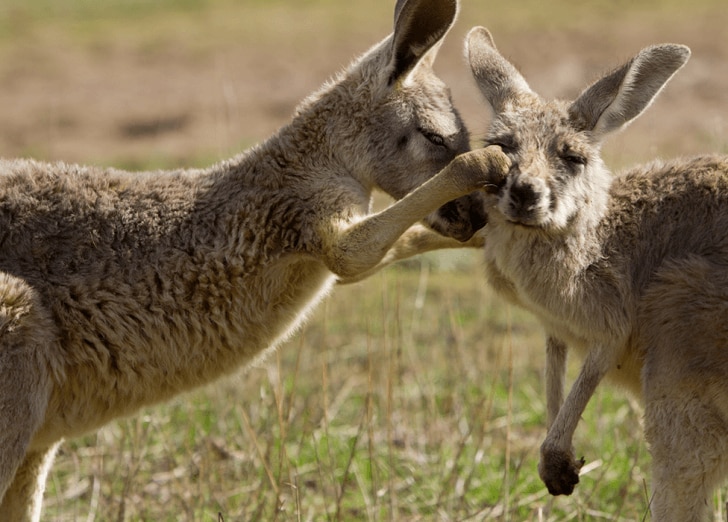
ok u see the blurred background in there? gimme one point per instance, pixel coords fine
(414, 395)
(180, 82)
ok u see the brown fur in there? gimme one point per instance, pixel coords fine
(119, 290)
(630, 271)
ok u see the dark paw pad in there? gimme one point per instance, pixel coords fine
(560, 472)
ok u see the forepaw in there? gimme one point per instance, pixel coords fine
(559, 470)
(483, 169)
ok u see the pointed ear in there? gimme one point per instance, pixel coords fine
(498, 80)
(419, 26)
(612, 102)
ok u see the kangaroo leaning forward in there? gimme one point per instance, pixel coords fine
(630, 271)
(119, 290)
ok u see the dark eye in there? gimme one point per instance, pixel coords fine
(433, 137)
(574, 159)
(507, 144)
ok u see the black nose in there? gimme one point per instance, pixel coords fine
(523, 197)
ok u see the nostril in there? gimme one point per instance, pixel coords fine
(523, 197)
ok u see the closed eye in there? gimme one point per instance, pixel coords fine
(433, 137)
(574, 159)
(506, 143)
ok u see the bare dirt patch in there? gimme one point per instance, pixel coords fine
(171, 88)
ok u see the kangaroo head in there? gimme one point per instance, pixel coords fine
(396, 118)
(558, 179)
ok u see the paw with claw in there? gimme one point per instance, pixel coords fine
(481, 169)
(559, 470)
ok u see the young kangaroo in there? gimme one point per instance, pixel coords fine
(630, 271)
(118, 290)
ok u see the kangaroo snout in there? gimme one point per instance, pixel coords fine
(525, 200)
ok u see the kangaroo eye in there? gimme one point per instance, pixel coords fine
(433, 137)
(574, 159)
(507, 144)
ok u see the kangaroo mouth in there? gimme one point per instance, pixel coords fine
(526, 222)
(520, 223)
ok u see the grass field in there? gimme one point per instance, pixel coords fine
(414, 395)
(411, 396)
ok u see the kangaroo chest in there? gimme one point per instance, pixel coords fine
(140, 356)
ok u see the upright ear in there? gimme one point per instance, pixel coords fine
(498, 80)
(419, 26)
(612, 102)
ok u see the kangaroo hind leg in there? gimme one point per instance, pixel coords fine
(688, 440)
(685, 333)
(24, 497)
(25, 387)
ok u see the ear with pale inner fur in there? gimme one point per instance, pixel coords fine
(497, 78)
(612, 102)
(419, 27)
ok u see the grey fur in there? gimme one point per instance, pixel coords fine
(629, 271)
(119, 290)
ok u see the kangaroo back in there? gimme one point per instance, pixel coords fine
(120, 289)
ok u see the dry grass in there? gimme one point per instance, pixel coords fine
(415, 395)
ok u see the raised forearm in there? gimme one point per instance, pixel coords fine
(358, 248)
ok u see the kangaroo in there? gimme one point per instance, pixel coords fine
(630, 271)
(119, 290)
